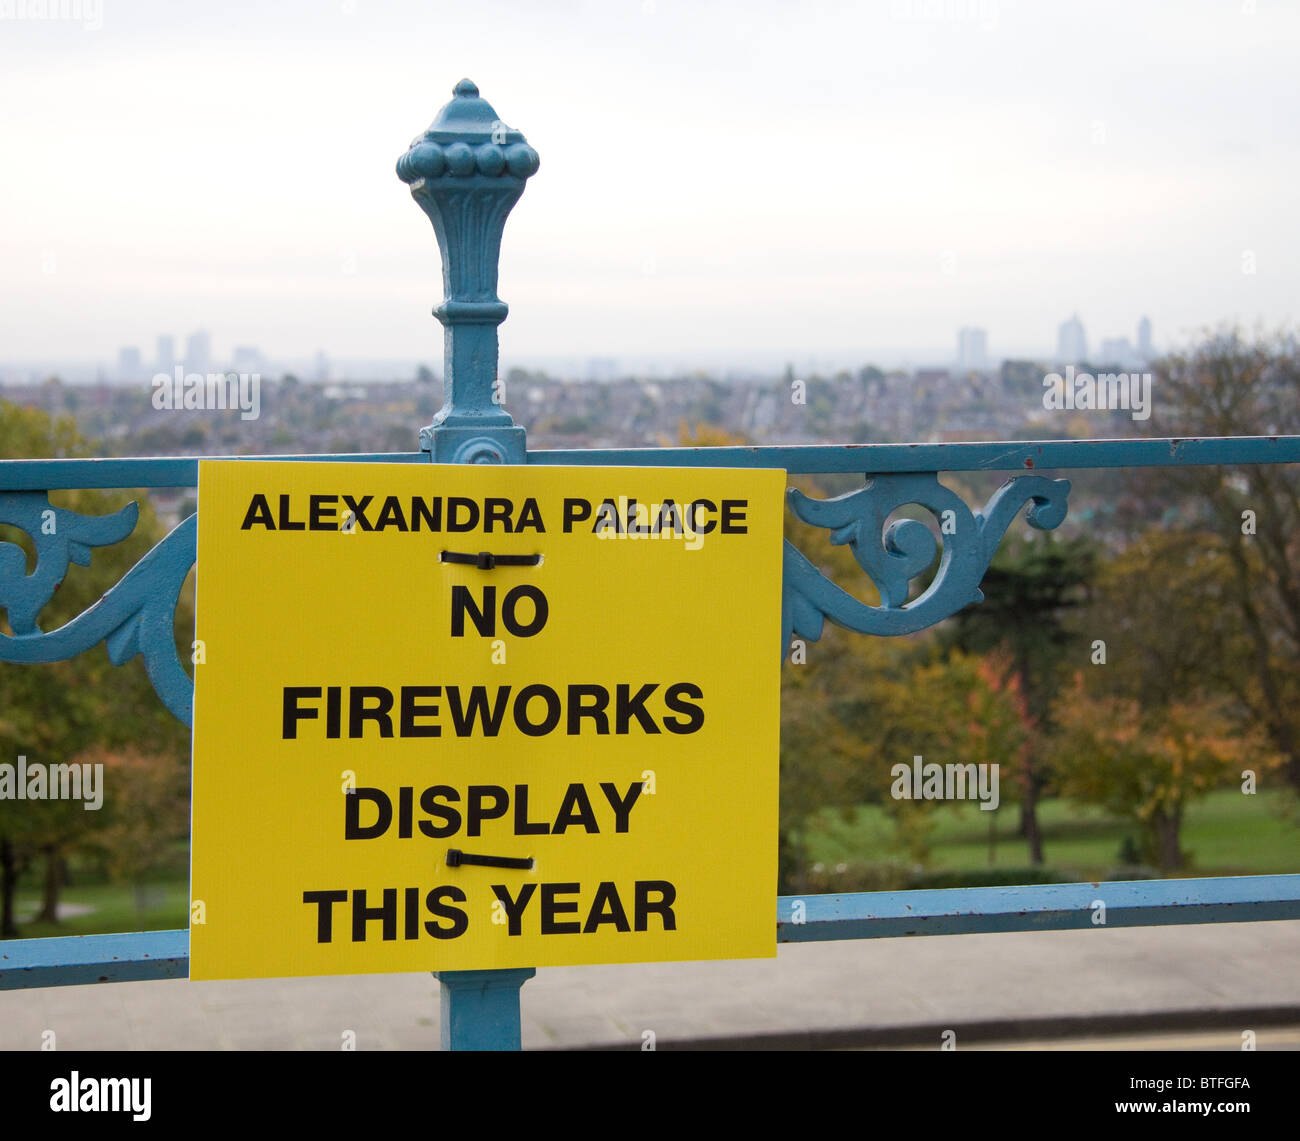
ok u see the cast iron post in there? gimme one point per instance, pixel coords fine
(467, 171)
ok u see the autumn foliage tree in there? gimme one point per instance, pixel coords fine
(56, 712)
(1029, 591)
(148, 818)
(1150, 764)
(1232, 384)
(959, 709)
(1158, 719)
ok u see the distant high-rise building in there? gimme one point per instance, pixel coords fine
(1071, 342)
(1116, 350)
(322, 366)
(130, 365)
(1144, 348)
(198, 352)
(602, 368)
(972, 349)
(166, 357)
(247, 359)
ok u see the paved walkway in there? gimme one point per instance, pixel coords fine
(885, 991)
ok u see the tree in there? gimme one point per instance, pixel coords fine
(149, 814)
(959, 709)
(55, 712)
(836, 696)
(1029, 589)
(1230, 385)
(1148, 764)
(839, 728)
(1161, 715)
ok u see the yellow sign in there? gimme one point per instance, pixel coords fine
(464, 717)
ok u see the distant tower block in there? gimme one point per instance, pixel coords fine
(972, 349)
(1116, 351)
(247, 358)
(1144, 347)
(198, 352)
(166, 354)
(1071, 342)
(130, 365)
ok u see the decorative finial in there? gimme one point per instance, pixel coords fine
(466, 172)
(467, 138)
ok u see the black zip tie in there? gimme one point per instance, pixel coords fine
(455, 857)
(486, 560)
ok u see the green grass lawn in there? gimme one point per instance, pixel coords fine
(1226, 833)
(116, 907)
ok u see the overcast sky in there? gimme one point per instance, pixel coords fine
(715, 177)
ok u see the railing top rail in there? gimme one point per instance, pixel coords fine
(74, 961)
(1003, 455)
(798, 459)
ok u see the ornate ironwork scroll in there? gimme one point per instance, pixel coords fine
(894, 555)
(135, 617)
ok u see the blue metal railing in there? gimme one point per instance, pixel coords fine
(77, 960)
(466, 172)
(802, 459)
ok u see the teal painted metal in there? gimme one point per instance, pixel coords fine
(467, 171)
(82, 959)
(480, 1009)
(134, 617)
(1038, 907)
(797, 459)
(61, 537)
(176, 471)
(1004, 455)
(799, 919)
(893, 556)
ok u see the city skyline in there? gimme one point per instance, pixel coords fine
(677, 225)
(972, 354)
